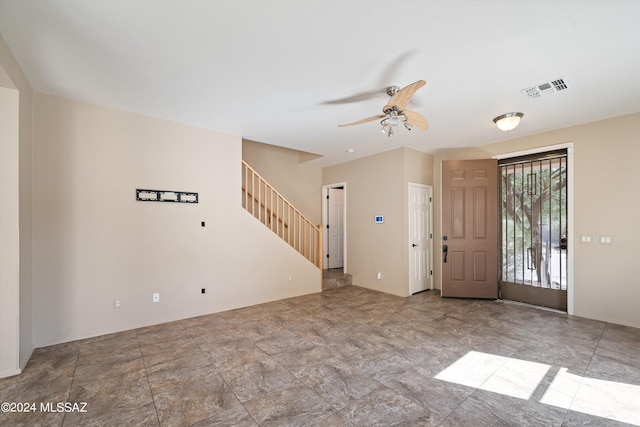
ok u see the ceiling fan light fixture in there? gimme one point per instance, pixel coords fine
(508, 121)
(394, 111)
(388, 123)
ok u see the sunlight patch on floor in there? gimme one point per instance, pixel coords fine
(520, 378)
(608, 399)
(498, 374)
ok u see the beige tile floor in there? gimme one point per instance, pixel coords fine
(343, 357)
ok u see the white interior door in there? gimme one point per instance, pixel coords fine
(336, 227)
(420, 238)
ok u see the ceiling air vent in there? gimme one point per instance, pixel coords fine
(545, 88)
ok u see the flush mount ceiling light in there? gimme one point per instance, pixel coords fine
(508, 121)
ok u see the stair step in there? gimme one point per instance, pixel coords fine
(332, 279)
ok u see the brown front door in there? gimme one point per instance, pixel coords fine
(470, 228)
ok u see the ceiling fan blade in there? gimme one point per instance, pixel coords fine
(368, 119)
(358, 97)
(416, 119)
(401, 99)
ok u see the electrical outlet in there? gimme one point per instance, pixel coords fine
(116, 303)
(290, 278)
(156, 297)
(203, 290)
(379, 275)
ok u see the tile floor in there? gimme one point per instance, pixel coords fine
(343, 357)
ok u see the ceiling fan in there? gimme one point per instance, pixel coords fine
(395, 111)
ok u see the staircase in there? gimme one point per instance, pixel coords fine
(264, 202)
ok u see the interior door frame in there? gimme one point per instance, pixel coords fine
(325, 220)
(570, 240)
(431, 231)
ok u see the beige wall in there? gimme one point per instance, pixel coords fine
(375, 185)
(298, 182)
(21, 327)
(605, 204)
(94, 243)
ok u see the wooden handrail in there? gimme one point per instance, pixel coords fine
(262, 205)
(272, 209)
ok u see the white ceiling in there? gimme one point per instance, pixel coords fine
(280, 72)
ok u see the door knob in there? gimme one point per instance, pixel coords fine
(413, 245)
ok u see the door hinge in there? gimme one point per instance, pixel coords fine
(429, 198)
(327, 197)
(327, 255)
(327, 225)
(431, 271)
(430, 236)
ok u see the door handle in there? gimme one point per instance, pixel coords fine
(413, 245)
(563, 242)
(445, 251)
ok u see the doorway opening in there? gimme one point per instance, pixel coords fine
(420, 238)
(334, 214)
(534, 228)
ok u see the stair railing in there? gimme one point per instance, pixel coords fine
(269, 206)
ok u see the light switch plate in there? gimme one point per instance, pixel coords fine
(605, 240)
